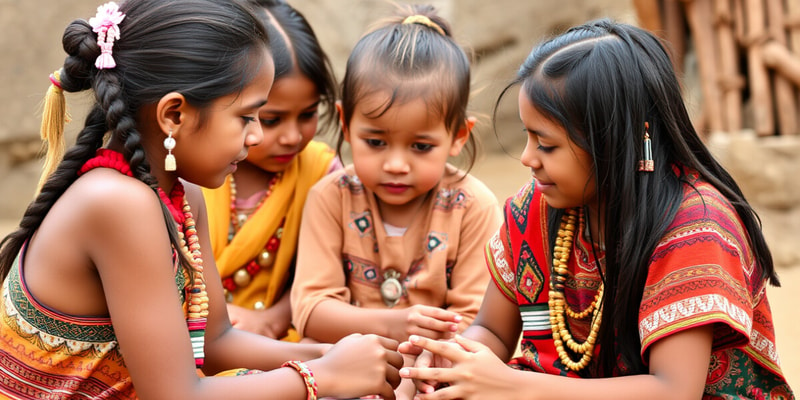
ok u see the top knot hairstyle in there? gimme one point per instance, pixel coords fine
(410, 55)
(203, 49)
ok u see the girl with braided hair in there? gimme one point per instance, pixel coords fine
(109, 287)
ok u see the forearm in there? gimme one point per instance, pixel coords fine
(331, 320)
(240, 349)
(635, 387)
(490, 340)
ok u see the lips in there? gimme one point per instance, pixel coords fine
(284, 158)
(395, 188)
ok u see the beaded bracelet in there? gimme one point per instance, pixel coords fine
(308, 377)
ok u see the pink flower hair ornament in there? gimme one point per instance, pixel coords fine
(106, 24)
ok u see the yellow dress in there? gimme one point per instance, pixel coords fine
(284, 203)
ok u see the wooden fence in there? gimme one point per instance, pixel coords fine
(748, 59)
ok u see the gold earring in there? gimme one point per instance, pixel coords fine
(169, 144)
(646, 164)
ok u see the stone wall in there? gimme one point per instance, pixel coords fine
(500, 32)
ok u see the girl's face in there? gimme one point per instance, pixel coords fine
(402, 154)
(289, 121)
(562, 169)
(207, 153)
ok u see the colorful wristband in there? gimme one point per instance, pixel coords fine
(308, 377)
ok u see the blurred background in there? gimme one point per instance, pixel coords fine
(739, 61)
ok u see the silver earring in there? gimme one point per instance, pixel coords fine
(169, 144)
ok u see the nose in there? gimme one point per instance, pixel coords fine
(254, 135)
(291, 135)
(396, 163)
(529, 157)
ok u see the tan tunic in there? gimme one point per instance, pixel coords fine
(344, 250)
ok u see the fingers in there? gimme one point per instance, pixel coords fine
(449, 350)
(469, 344)
(439, 314)
(409, 349)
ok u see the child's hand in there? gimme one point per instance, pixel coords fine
(475, 373)
(267, 322)
(424, 359)
(426, 321)
(359, 365)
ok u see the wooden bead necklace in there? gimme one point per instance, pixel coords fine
(558, 303)
(265, 259)
(196, 295)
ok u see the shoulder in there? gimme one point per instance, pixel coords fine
(705, 209)
(108, 191)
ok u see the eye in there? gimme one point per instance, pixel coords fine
(248, 119)
(546, 149)
(269, 122)
(308, 114)
(374, 142)
(422, 147)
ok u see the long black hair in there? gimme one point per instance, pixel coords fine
(203, 49)
(294, 45)
(602, 81)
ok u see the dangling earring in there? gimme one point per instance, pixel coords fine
(646, 164)
(169, 144)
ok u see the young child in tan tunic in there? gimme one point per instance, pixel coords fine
(393, 244)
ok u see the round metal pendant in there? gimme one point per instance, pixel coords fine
(391, 288)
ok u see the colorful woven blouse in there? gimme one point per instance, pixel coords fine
(702, 272)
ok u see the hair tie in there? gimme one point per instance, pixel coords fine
(106, 24)
(423, 20)
(55, 79)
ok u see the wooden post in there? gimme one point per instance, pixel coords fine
(785, 105)
(758, 76)
(649, 15)
(730, 81)
(674, 33)
(699, 14)
(786, 63)
(792, 21)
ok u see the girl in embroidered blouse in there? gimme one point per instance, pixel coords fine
(109, 289)
(393, 244)
(631, 255)
(254, 217)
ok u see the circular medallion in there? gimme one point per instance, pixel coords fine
(391, 288)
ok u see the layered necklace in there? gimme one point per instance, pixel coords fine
(243, 276)
(560, 310)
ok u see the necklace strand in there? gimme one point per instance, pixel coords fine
(243, 276)
(558, 304)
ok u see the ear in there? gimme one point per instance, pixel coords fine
(173, 112)
(461, 136)
(345, 128)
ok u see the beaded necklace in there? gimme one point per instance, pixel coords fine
(558, 303)
(196, 295)
(265, 259)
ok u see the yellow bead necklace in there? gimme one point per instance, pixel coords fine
(558, 303)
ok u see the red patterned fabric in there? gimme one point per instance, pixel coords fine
(702, 272)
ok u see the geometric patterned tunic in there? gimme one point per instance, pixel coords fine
(701, 272)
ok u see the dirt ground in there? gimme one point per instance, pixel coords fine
(504, 175)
